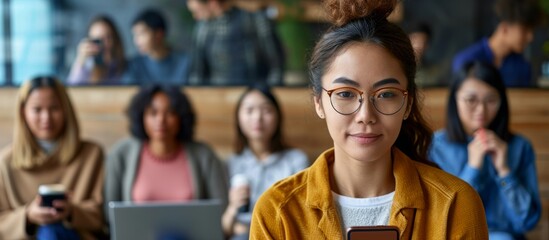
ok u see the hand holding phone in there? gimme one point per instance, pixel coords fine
(373, 233)
(42, 209)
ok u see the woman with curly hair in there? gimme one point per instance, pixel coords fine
(162, 161)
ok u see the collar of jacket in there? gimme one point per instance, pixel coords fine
(408, 197)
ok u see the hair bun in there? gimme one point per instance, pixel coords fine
(342, 12)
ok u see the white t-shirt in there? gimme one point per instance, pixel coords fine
(372, 211)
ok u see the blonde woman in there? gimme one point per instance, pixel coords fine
(47, 149)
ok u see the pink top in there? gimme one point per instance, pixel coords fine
(163, 179)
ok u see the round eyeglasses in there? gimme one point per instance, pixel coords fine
(473, 102)
(347, 100)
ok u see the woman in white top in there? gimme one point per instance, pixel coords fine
(261, 157)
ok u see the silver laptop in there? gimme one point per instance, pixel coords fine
(199, 219)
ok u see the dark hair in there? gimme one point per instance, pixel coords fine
(205, 1)
(178, 101)
(42, 82)
(368, 24)
(420, 27)
(276, 143)
(153, 19)
(524, 12)
(485, 73)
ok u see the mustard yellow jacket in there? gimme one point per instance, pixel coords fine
(428, 204)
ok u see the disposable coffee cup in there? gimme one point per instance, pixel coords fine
(50, 193)
(239, 180)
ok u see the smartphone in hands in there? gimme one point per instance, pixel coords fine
(50, 193)
(373, 233)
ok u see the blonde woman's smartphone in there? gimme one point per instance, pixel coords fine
(50, 193)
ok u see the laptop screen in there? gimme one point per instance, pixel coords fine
(200, 219)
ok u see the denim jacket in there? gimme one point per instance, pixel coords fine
(512, 203)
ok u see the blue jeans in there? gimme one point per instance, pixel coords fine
(56, 231)
(495, 235)
(170, 235)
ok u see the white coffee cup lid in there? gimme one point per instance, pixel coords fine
(51, 189)
(239, 180)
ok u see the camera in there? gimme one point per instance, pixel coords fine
(98, 58)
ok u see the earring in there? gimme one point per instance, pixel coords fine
(321, 116)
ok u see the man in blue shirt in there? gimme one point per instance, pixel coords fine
(156, 63)
(505, 46)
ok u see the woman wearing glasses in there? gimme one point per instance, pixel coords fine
(362, 73)
(478, 147)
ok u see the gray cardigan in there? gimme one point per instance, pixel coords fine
(208, 173)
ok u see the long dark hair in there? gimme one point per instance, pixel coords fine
(366, 22)
(488, 74)
(276, 143)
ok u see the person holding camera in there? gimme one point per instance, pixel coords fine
(47, 150)
(100, 58)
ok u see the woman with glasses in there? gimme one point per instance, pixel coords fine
(161, 161)
(478, 147)
(377, 173)
(261, 157)
(47, 149)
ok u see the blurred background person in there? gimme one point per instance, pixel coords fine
(261, 157)
(161, 161)
(504, 48)
(47, 149)
(157, 62)
(100, 56)
(478, 147)
(420, 36)
(233, 46)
